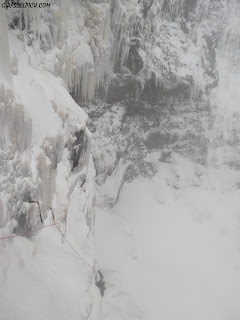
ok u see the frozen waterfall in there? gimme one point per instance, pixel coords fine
(119, 159)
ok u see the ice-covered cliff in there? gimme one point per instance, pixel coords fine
(175, 90)
(166, 148)
(156, 82)
(45, 157)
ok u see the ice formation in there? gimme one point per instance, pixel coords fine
(45, 156)
(158, 150)
(4, 50)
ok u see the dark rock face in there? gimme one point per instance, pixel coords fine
(146, 7)
(123, 87)
(161, 92)
(77, 148)
(100, 283)
(141, 129)
(158, 95)
(211, 62)
(184, 9)
(158, 41)
(134, 62)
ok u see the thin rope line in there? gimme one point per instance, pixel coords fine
(23, 234)
(43, 226)
(74, 249)
(50, 225)
(92, 267)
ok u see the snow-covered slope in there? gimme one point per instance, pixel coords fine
(172, 236)
(173, 242)
(41, 277)
(45, 156)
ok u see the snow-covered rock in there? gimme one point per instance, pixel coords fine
(166, 78)
(46, 157)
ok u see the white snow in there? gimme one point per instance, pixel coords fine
(42, 278)
(170, 247)
(176, 250)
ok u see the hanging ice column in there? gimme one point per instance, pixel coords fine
(87, 48)
(5, 66)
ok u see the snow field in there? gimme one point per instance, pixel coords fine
(42, 278)
(177, 254)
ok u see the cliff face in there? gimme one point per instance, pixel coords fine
(158, 69)
(166, 149)
(172, 79)
(159, 81)
(46, 157)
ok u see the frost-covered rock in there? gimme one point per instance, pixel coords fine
(70, 40)
(46, 157)
(166, 76)
(171, 91)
